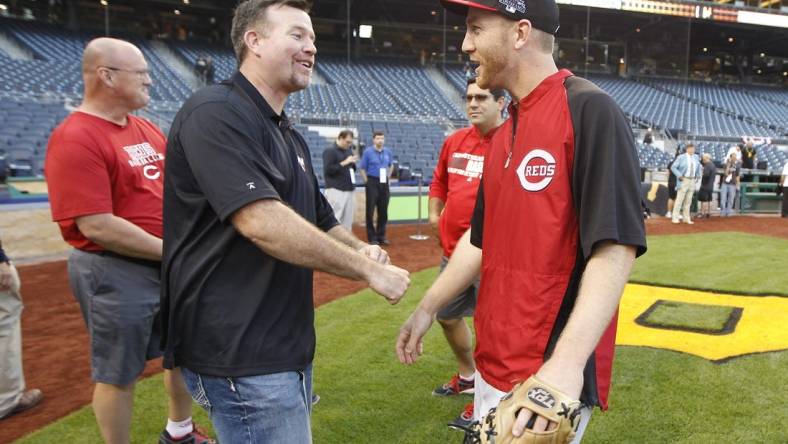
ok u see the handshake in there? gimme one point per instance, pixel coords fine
(387, 280)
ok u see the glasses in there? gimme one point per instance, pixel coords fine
(139, 72)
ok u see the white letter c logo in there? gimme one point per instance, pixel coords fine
(151, 172)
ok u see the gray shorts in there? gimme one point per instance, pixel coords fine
(463, 305)
(119, 299)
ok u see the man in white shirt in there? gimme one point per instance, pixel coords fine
(687, 170)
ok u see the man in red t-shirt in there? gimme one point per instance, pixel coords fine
(452, 198)
(104, 171)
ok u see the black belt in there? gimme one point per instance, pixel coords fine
(136, 260)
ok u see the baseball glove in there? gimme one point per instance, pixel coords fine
(544, 400)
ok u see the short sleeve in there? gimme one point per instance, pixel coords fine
(226, 159)
(439, 188)
(606, 177)
(364, 164)
(477, 220)
(324, 219)
(78, 180)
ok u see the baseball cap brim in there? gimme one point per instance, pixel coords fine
(460, 7)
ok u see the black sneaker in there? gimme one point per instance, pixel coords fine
(456, 386)
(384, 242)
(464, 421)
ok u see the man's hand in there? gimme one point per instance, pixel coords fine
(390, 282)
(375, 253)
(349, 160)
(409, 343)
(568, 380)
(6, 276)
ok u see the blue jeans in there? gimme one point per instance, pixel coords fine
(260, 409)
(727, 198)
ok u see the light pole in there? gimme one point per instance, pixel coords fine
(105, 4)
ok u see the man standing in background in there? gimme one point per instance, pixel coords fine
(339, 173)
(452, 197)
(688, 170)
(14, 398)
(376, 166)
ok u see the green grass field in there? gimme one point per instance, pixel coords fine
(657, 397)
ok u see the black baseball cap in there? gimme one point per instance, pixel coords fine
(543, 14)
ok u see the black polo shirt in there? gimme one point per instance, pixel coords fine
(228, 308)
(336, 175)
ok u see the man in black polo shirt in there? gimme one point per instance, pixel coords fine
(339, 171)
(244, 224)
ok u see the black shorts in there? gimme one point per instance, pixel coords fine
(704, 195)
(461, 306)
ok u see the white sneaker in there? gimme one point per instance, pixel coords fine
(668, 215)
(689, 222)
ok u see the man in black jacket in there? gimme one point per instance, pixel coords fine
(339, 171)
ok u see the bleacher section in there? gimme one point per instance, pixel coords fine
(666, 110)
(773, 156)
(652, 157)
(456, 77)
(57, 67)
(370, 94)
(24, 131)
(735, 101)
(379, 87)
(773, 94)
(223, 58)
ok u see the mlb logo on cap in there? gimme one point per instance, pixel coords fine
(513, 6)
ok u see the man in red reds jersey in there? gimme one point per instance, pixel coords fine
(557, 225)
(104, 170)
(452, 197)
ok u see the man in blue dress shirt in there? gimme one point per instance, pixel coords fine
(376, 169)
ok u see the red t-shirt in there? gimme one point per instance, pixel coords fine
(94, 166)
(456, 180)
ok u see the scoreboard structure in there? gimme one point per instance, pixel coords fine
(690, 9)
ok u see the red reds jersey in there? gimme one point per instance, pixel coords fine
(95, 166)
(562, 176)
(456, 180)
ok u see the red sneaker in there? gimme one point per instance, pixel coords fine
(465, 419)
(456, 386)
(197, 436)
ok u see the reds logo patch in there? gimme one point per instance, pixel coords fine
(537, 170)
